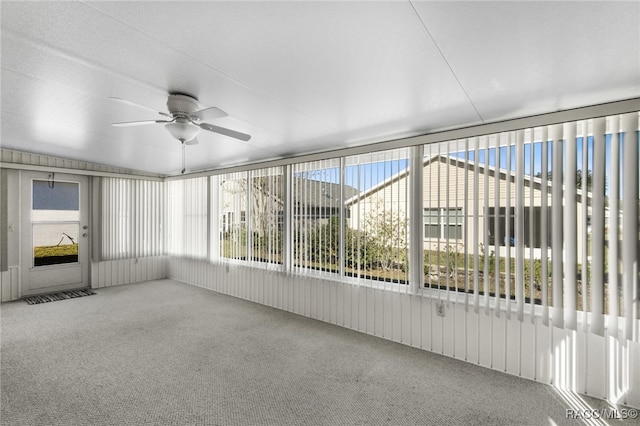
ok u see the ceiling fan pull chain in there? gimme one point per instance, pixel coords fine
(183, 160)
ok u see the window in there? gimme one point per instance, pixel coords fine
(132, 218)
(188, 231)
(55, 221)
(316, 216)
(266, 197)
(377, 232)
(233, 205)
(532, 234)
(443, 223)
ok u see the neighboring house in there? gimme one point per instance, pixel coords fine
(449, 210)
(314, 201)
(317, 201)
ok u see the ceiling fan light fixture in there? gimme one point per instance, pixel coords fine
(182, 130)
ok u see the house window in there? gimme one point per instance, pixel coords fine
(442, 223)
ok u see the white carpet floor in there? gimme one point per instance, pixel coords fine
(167, 353)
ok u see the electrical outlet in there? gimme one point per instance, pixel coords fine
(440, 309)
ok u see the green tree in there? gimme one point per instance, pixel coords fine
(385, 231)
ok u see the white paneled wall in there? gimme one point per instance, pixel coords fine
(9, 283)
(125, 271)
(103, 274)
(567, 359)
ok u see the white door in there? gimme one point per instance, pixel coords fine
(54, 232)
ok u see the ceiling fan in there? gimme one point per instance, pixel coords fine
(185, 120)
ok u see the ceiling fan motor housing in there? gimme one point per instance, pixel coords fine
(182, 105)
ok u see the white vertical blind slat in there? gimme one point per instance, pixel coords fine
(544, 242)
(476, 225)
(531, 224)
(630, 199)
(569, 226)
(557, 313)
(508, 231)
(519, 224)
(614, 225)
(496, 221)
(487, 249)
(598, 227)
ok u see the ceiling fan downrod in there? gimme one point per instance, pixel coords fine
(183, 158)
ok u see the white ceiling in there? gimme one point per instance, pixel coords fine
(299, 77)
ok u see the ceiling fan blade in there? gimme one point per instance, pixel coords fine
(224, 131)
(193, 141)
(139, 123)
(209, 114)
(126, 102)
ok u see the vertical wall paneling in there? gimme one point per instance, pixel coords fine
(534, 351)
(405, 318)
(333, 303)
(498, 342)
(632, 397)
(426, 324)
(378, 312)
(513, 346)
(362, 308)
(460, 331)
(340, 305)
(9, 283)
(448, 329)
(563, 353)
(416, 320)
(125, 271)
(485, 336)
(472, 337)
(437, 344)
(595, 365)
(579, 361)
(396, 316)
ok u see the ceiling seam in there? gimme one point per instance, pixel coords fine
(41, 44)
(424, 25)
(223, 74)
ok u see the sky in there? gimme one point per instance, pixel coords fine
(366, 175)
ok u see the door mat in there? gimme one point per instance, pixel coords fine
(62, 295)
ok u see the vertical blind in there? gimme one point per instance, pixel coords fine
(317, 216)
(351, 217)
(549, 218)
(378, 224)
(132, 222)
(232, 206)
(266, 215)
(188, 206)
(538, 221)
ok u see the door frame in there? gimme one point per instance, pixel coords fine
(65, 276)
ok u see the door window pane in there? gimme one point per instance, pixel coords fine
(55, 218)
